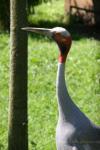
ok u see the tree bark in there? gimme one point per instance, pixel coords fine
(67, 6)
(17, 120)
(67, 11)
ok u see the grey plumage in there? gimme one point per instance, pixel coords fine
(74, 130)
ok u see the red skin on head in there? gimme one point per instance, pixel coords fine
(67, 42)
(64, 43)
(62, 58)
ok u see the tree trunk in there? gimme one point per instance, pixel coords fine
(67, 6)
(67, 11)
(18, 122)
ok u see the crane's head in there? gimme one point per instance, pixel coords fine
(60, 35)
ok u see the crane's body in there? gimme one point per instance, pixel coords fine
(74, 130)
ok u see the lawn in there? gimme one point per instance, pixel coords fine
(82, 76)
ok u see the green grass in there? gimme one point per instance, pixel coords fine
(4, 75)
(82, 76)
(50, 13)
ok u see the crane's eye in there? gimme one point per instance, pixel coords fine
(57, 37)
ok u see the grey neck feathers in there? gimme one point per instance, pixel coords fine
(65, 104)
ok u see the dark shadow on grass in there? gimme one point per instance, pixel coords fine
(78, 31)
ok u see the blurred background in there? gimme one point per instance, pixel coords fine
(82, 19)
(83, 11)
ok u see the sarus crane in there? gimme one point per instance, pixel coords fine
(74, 129)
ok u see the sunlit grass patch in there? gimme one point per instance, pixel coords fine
(48, 12)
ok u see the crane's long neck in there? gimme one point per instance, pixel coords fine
(64, 101)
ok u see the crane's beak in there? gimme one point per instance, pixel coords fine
(43, 31)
